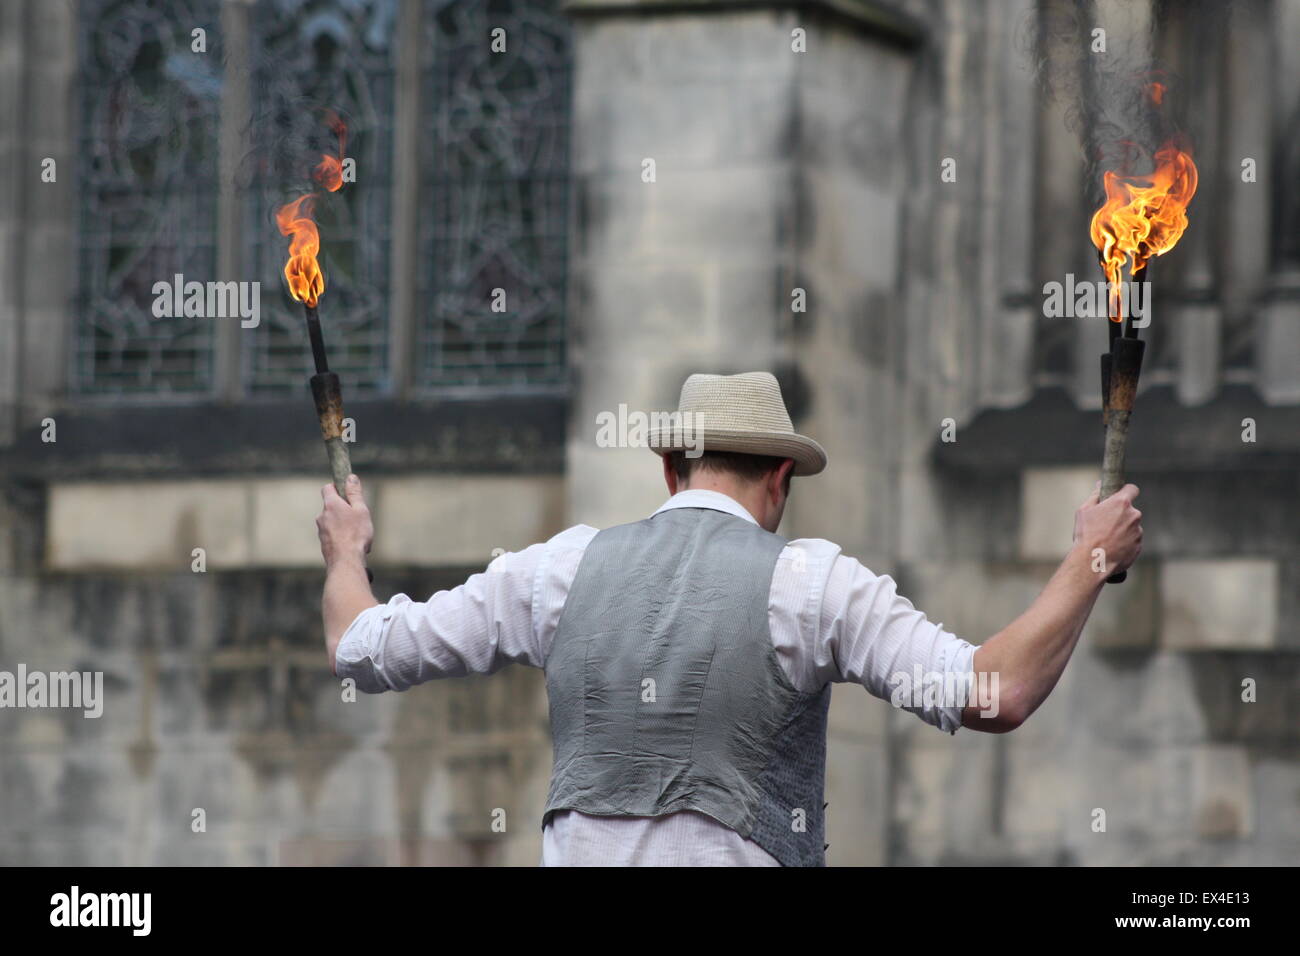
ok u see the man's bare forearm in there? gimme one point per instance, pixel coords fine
(1029, 655)
(345, 531)
(1022, 662)
(347, 593)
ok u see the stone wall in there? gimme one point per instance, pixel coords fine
(218, 695)
(775, 172)
(1149, 723)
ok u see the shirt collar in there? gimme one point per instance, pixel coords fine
(703, 498)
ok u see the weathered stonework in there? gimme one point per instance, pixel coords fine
(775, 172)
(1230, 604)
(270, 522)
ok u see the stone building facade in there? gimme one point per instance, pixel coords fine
(777, 172)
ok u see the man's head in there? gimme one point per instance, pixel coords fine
(749, 446)
(759, 482)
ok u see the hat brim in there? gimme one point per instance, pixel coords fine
(809, 457)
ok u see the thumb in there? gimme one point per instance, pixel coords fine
(354, 492)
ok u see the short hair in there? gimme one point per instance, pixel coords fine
(743, 466)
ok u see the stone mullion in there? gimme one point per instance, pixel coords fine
(403, 260)
(14, 158)
(1191, 322)
(48, 227)
(1245, 132)
(1008, 226)
(1277, 351)
(1061, 237)
(235, 115)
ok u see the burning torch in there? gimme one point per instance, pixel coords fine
(1142, 217)
(306, 283)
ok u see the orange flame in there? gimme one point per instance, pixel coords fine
(329, 171)
(1143, 216)
(306, 281)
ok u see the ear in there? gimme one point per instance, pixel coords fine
(776, 479)
(670, 474)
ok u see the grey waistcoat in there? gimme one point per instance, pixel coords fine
(666, 693)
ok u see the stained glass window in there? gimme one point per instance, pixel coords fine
(492, 156)
(311, 56)
(495, 171)
(147, 175)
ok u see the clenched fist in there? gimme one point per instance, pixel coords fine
(344, 525)
(1113, 525)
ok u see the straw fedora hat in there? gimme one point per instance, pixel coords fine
(739, 413)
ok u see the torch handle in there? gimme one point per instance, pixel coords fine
(340, 464)
(1105, 388)
(1121, 373)
(1112, 462)
(1112, 465)
(328, 395)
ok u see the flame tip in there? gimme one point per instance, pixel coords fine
(294, 218)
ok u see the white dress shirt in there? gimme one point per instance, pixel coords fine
(830, 618)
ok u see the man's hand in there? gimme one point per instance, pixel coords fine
(1113, 525)
(344, 527)
(345, 535)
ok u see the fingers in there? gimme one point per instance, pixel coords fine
(356, 497)
(1128, 492)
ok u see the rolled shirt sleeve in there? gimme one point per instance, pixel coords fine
(877, 638)
(475, 628)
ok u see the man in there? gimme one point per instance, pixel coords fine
(689, 656)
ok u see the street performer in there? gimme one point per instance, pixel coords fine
(689, 656)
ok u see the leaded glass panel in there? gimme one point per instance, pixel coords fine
(311, 56)
(495, 163)
(147, 178)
